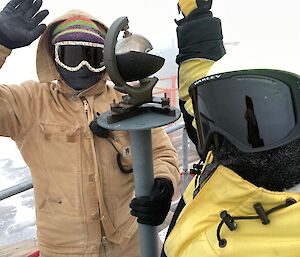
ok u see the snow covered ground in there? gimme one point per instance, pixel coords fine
(17, 213)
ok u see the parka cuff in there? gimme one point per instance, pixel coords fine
(200, 36)
(4, 52)
(173, 176)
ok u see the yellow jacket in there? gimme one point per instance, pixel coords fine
(195, 232)
(81, 195)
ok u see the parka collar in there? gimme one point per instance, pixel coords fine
(97, 89)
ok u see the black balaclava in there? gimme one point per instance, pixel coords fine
(81, 79)
(276, 170)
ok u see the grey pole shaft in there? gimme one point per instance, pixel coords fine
(185, 160)
(141, 147)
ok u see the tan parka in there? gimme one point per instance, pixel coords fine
(81, 195)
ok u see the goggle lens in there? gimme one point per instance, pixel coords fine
(251, 110)
(73, 55)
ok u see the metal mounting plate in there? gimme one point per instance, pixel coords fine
(142, 121)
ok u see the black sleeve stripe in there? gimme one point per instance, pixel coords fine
(188, 120)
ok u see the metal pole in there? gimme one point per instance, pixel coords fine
(185, 161)
(174, 128)
(11, 191)
(141, 147)
(139, 127)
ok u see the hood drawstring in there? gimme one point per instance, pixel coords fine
(261, 214)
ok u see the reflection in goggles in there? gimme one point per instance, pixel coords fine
(253, 131)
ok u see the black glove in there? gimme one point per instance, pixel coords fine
(152, 210)
(204, 5)
(98, 130)
(19, 23)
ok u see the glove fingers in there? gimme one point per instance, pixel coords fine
(34, 8)
(39, 17)
(24, 6)
(12, 4)
(151, 223)
(147, 218)
(141, 202)
(150, 220)
(151, 211)
(34, 34)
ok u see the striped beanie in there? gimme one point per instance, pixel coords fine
(79, 29)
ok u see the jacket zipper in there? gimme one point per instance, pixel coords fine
(104, 243)
(85, 105)
(86, 109)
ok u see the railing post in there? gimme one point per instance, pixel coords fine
(17, 189)
(185, 159)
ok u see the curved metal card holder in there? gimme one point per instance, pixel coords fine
(137, 98)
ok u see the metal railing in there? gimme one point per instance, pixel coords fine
(185, 139)
(17, 189)
(24, 186)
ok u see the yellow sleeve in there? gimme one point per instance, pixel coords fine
(187, 6)
(189, 72)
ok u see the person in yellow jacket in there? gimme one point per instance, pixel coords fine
(83, 184)
(245, 199)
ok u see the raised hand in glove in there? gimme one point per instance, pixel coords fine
(19, 23)
(153, 209)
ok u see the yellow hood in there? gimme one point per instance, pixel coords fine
(196, 229)
(45, 65)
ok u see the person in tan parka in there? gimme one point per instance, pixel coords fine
(82, 196)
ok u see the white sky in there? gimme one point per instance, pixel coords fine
(268, 30)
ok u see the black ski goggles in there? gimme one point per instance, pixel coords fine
(73, 55)
(256, 110)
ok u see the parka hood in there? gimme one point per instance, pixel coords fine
(45, 64)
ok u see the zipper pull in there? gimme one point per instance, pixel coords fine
(85, 104)
(104, 244)
(104, 240)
